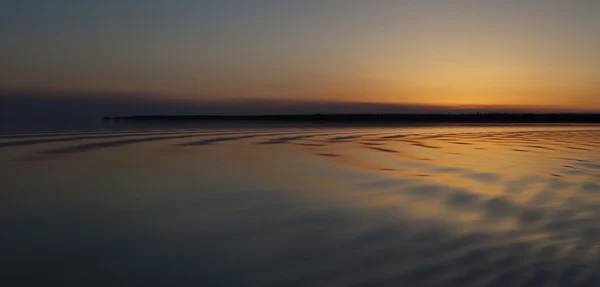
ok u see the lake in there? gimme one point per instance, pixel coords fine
(293, 205)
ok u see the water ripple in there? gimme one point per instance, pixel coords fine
(367, 207)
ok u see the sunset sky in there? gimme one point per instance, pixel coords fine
(540, 54)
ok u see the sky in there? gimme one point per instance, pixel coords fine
(265, 56)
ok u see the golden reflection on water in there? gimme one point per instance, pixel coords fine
(452, 206)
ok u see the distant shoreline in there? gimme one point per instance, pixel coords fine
(384, 118)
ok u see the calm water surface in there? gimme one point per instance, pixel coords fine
(269, 206)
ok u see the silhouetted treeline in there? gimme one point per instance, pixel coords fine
(416, 118)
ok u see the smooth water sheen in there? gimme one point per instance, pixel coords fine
(268, 206)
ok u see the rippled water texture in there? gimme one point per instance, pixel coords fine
(344, 206)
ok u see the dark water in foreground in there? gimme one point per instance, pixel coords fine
(346, 206)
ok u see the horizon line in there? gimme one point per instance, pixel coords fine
(377, 117)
